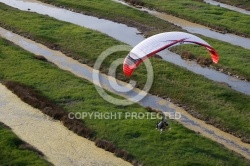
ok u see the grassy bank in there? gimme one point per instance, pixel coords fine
(218, 18)
(244, 4)
(213, 102)
(178, 146)
(117, 12)
(232, 57)
(14, 151)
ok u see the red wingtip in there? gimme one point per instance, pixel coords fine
(127, 70)
(214, 55)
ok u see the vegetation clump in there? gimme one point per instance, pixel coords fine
(15, 151)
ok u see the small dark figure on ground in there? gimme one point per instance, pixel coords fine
(162, 125)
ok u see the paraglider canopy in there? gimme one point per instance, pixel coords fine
(159, 42)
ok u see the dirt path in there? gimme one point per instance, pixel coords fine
(60, 146)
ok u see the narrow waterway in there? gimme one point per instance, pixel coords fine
(84, 71)
(63, 147)
(196, 28)
(130, 36)
(230, 7)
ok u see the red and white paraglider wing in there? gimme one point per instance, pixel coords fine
(159, 42)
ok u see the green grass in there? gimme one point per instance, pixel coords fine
(179, 146)
(233, 59)
(245, 4)
(208, 15)
(210, 101)
(117, 12)
(12, 154)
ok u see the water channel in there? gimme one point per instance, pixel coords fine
(84, 71)
(196, 28)
(130, 36)
(230, 7)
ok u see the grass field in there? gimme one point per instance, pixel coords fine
(194, 10)
(245, 4)
(16, 152)
(117, 12)
(232, 58)
(178, 146)
(213, 102)
(212, 16)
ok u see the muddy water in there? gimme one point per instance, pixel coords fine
(130, 36)
(62, 147)
(84, 71)
(227, 6)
